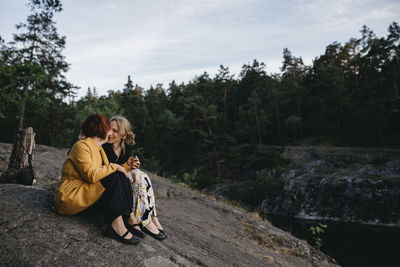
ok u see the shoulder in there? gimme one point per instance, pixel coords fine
(128, 149)
(81, 148)
(83, 144)
(127, 153)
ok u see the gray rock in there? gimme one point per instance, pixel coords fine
(218, 190)
(201, 231)
(5, 153)
(47, 163)
(339, 184)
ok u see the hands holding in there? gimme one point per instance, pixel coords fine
(134, 162)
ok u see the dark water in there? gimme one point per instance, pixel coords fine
(349, 243)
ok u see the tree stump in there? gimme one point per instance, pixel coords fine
(20, 167)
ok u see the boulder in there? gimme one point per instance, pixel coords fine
(46, 164)
(358, 185)
(202, 231)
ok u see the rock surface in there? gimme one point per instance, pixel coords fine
(47, 163)
(202, 231)
(360, 185)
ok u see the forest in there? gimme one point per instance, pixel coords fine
(211, 129)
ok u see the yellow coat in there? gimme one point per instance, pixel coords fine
(82, 171)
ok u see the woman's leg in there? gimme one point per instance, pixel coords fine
(156, 222)
(119, 227)
(145, 208)
(133, 221)
(116, 201)
(152, 203)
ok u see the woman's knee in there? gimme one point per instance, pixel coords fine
(113, 179)
(120, 175)
(123, 181)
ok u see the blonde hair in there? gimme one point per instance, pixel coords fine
(124, 128)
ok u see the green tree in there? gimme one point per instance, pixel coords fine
(254, 94)
(326, 91)
(39, 49)
(293, 70)
(224, 86)
(203, 123)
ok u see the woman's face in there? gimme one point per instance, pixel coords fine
(114, 136)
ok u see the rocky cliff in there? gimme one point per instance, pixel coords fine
(360, 185)
(202, 231)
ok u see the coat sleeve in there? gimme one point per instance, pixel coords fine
(126, 166)
(82, 159)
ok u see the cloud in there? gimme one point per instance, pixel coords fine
(162, 40)
(333, 15)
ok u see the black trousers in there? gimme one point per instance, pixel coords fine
(117, 199)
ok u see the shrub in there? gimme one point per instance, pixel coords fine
(253, 192)
(316, 232)
(190, 179)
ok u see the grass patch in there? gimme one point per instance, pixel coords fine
(277, 243)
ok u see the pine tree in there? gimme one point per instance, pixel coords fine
(40, 46)
(293, 70)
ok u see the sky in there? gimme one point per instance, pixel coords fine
(157, 41)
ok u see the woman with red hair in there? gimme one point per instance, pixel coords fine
(88, 177)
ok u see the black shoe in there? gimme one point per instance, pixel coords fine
(134, 231)
(163, 232)
(158, 236)
(133, 241)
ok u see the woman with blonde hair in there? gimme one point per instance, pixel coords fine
(118, 151)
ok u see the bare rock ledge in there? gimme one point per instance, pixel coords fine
(202, 232)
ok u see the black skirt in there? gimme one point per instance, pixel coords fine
(117, 199)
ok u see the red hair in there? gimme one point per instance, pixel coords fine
(96, 125)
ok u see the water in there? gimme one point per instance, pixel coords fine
(350, 244)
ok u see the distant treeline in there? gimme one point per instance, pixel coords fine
(213, 126)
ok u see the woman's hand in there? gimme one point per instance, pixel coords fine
(122, 169)
(134, 162)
